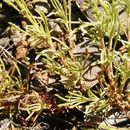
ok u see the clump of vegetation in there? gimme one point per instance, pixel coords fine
(43, 83)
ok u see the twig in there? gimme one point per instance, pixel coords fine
(2, 48)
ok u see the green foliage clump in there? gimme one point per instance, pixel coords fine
(59, 59)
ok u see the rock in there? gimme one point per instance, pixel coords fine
(43, 6)
(90, 72)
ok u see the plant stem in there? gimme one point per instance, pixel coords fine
(128, 26)
(69, 8)
(102, 43)
(113, 84)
